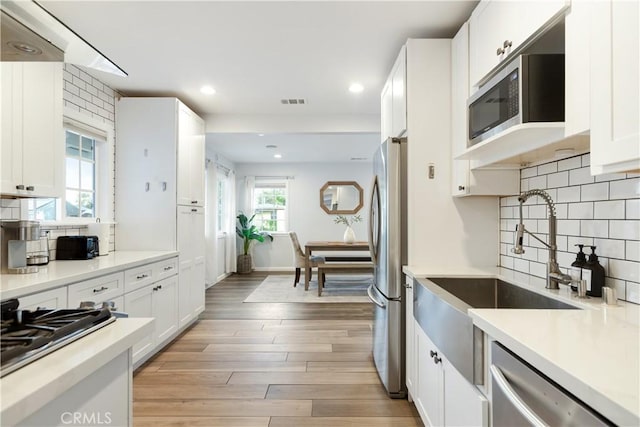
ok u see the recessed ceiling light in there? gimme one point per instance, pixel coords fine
(261, 134)
(277, 156)
(207, 90)
(356, 88)
(271, 146)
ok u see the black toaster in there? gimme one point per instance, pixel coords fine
(77, 247)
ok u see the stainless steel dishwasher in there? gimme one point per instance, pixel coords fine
(521, 396)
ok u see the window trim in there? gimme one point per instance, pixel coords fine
(264, 182)
(104, 174)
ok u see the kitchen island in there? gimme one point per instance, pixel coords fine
(594, 353)
(87, 382)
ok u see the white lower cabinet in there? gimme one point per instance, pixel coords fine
(191, 244)
(443, 396)
(157, 300)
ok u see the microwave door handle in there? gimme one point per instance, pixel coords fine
(515, 399)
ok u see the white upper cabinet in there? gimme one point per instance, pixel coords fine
(32, 142)
(394, 100)
(615, 87)
(499, 28)
(465, 181)
(190, 158)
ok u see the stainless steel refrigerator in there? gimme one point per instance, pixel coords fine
(388, 246)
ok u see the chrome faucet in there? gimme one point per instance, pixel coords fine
(554, 275)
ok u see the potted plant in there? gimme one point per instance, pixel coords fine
(248, 233)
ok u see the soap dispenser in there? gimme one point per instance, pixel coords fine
(577, 266)
(595, 270)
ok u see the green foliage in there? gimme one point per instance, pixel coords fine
(342, 219)
(249, 232)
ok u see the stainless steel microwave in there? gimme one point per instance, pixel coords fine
(529, 89)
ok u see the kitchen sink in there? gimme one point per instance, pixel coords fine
(441, 305)
(496, 293)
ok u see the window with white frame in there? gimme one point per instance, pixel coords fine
(270, 205)
(81, 178)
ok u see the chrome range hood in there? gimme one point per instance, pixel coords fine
(31, 33)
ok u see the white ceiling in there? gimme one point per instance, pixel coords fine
(256, 53)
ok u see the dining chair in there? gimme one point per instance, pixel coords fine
(299, 257)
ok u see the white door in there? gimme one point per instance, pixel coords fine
(165, 310)
(186, 259)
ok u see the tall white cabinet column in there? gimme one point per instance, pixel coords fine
(160, 189)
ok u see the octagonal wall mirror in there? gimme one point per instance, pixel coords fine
(341, 197)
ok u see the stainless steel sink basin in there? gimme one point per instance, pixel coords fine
(495, 293)
(441, 305)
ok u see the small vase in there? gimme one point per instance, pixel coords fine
(349, 235)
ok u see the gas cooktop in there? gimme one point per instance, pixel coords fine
(26, 335)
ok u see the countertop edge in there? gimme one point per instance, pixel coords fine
(38, 383)
(45, 285)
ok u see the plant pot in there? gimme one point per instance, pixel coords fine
(244, 264)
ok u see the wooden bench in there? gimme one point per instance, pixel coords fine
(342, 268)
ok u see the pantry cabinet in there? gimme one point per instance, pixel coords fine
(393, 99)
(190, 157)
(466, 181)
(615, 87)
(191, 245)
(498, 28)
(32, 144)
(444, 397)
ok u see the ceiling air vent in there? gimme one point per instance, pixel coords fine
(293, 101)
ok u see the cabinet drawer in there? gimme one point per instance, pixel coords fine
(54, 298)
(166, 268)
(100, 289)
(136, 278)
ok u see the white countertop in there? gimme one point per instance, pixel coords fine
(31, 387)
(61, 273)
(594, 352)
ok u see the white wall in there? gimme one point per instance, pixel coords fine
(306, 217)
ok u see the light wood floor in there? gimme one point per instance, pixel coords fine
(276, 365)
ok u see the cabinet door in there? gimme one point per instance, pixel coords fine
(386, 107)
(198, 278)
(399, 99)
(615, 87)
(165, 308)
(428, 399)
(410, 340)
(190, 158)
(52, 299)
(197, 160)
(186, 247)
(32, 137)
(464, 405)
(495, 22)
(139, 303)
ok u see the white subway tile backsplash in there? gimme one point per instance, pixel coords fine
(528, 172)
(632, 250)
(538, 211)
(632, 209)
(572, 241)
(610, 177)
(562, 210)
(561, 243)
(570, 163)
(568, 194)
(626, 270)
(594, 228)
(521, 265)
(633, 292)
(538, 269)
(586, 159)
(543, 226)
(609, 210)
(580, 211)
(548, 168)
(613, 248)
(568, 227)
(506, 262)
(565, 258)
(629, 229)
(591, 192)
(559, 179)
(538, 182)
(625, 189)
(580, 176)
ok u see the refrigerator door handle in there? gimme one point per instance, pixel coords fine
(372, 297)
(374, 220)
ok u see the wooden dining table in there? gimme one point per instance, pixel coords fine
(310, 247)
